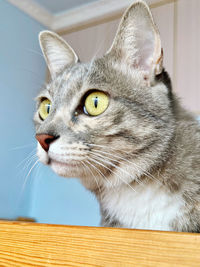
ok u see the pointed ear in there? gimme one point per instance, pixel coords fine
(57, 53)
(137, 42)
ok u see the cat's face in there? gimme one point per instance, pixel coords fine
(93, 119)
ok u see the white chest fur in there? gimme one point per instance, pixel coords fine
(151, 207)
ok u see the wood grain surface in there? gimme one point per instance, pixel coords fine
(31, 244)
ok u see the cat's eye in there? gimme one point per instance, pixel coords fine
(96, 103)
(45, 108)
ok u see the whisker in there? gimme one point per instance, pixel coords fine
(27, 176)
(29, 161)
(101, 164)
(34, 52)
(118, 157)
(99, 172)
(27, 158)
(92, 176)
(84, 168)
(20, 147)
(24, 185)
(117, 167)
(148, 174)
(132, 163)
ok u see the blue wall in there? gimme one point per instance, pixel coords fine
(62, 201)
(42, 195)
(22, 72)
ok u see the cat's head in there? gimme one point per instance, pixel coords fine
(112, 116)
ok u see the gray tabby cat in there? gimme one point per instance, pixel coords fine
(116, 124)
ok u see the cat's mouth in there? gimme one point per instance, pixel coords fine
(65, 166)
(65, 163)
(68, 160)
(69, 164)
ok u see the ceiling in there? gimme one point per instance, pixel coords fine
(57, 6)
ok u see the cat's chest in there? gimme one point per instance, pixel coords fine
(151, 207)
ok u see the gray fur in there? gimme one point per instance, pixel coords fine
(151, 137)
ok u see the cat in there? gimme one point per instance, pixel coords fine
(116, 124)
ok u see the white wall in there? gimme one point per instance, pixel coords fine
(188, 53)
(95, 40)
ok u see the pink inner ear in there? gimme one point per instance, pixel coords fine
(137, 42)
(145, 43)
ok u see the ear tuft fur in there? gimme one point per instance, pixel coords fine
(57, 53)
(137, 42)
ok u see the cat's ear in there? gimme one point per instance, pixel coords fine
(137, 42)
(57, 53)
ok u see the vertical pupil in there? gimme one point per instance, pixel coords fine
(48, 108)
(96, 102)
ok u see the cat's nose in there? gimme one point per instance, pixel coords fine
(45, 140)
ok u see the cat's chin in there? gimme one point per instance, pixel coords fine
(70, 169)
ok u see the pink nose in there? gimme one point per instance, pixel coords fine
(45, 140)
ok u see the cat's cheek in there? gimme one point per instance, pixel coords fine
(42, 155)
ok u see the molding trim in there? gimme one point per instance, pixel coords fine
(34, 10)
(81, 17)
(95, 13)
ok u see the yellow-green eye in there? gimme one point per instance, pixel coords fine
(96, 103)
(44, 108)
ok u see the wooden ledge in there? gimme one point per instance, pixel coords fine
(31, 244)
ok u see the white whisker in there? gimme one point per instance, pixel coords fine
(128, 161)
(26, 161)
(27, 176)
(99, 172)
(34, 52)
(92, 176)
(117, 167)
(101, 164)
(21, 147)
